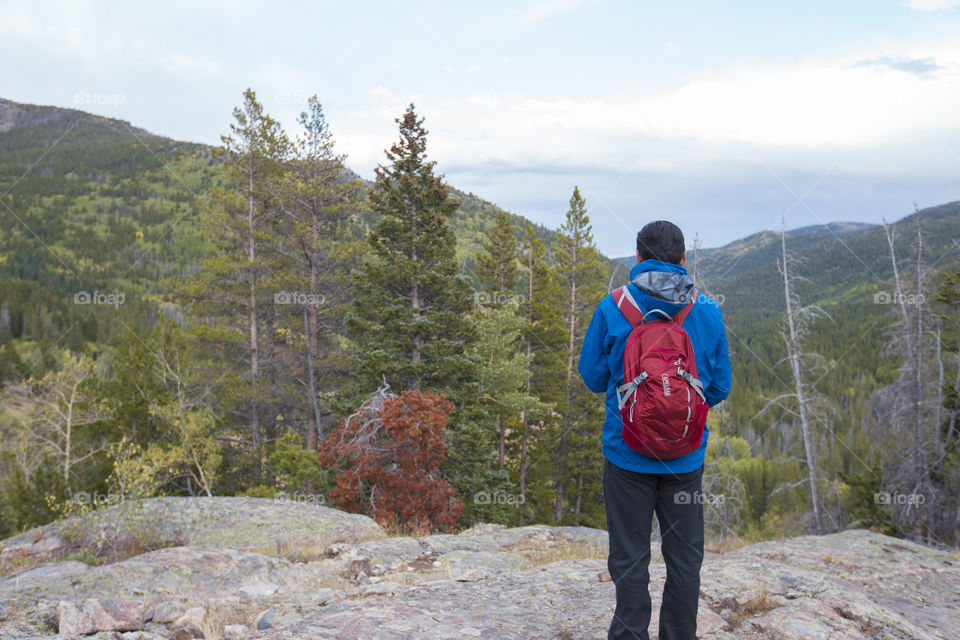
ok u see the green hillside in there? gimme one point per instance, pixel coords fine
(847, 273)
(94, 204)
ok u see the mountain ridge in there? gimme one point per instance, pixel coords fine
(19, 115)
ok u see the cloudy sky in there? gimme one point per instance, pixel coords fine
(720, 116)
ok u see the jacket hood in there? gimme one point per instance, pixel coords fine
(662, 285)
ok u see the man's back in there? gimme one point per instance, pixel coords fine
(601, 358)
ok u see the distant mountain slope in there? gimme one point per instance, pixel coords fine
(762, 248)
(14, 115)
(846, 266)
(845, 269)
(849, 275)
(95, 201)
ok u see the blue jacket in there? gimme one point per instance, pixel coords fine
(601, 358)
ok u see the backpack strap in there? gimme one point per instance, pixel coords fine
(635, 316)
(681, 315)
(627, 305)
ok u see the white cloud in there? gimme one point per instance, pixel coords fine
(802, 106)
(542, 10)
(800, 113)
(932, 5)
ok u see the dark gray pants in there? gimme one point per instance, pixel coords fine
(631, 499)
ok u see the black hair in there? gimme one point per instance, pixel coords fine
(661, 240)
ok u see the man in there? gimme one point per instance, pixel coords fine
(635, 486)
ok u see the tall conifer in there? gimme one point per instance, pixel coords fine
(408, 318)
(580, 271)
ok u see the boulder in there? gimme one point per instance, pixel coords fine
(192, 616)
(172, 572)
(264, 619)
(262, 525)
(187, 632)
(257, 588)
(78, 617)
(167, 611)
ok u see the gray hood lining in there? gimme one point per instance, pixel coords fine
(675, 288)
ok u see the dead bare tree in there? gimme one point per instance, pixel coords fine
(797, 317)
(367, 420)
(802, 403)
(907, 414)
(722, 503)
(695, 262)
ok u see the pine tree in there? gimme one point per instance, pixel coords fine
(949, 297)
(503, 369)
(543, 337)
(497, 272)
(388, 456)
(227, 291)
(497, 262)
(408, 319)
(580, 271)
(320, 200)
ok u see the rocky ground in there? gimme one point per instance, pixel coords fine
(225, 568)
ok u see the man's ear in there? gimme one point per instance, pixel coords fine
(683, 260)
(639, 259)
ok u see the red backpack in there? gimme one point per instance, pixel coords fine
(661, 400)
